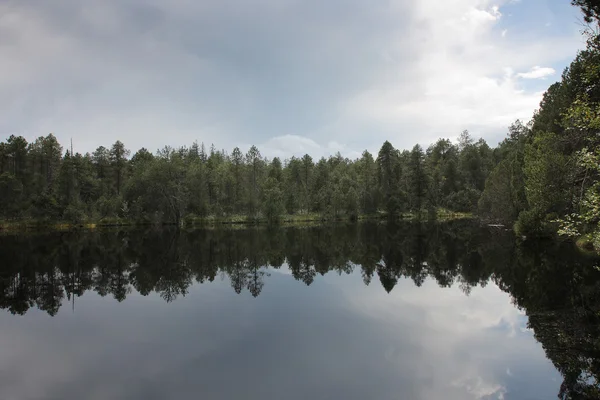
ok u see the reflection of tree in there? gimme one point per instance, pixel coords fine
(255, 277)
(559, 290)
(388, 269)
(389, 266)
(175, 276)
(44, 269)
(238, 275)
(303, 271)
(416, 251)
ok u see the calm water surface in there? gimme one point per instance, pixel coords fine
(444, 311)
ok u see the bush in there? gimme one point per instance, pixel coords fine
(109, 207)
(74, 214)
(464, 201)
(531, 223)
(44, 206)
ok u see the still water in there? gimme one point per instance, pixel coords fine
(367, 311)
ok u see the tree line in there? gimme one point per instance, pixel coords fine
(39, 181)
(556, 286)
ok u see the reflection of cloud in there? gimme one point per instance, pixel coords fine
(480, 389)
(334, 339)
(472, 338)
(486, 307)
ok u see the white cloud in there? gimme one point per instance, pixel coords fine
(289, 145)
(537, 72)
(459, 80)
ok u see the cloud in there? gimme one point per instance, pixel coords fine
(537, 73)
(286, 146)
(282, 146)
(480, 389)
(461, 80)
(351, 73)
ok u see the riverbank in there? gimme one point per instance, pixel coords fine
(588, 244)
(285, 220)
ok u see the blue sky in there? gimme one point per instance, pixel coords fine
(289, 76)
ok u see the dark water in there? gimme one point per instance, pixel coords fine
(445, 311)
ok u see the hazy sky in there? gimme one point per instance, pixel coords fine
(290, 76)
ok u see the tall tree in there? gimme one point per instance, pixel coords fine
(387, 171)
(418, 179)
(118, 157)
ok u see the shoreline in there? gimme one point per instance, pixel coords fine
(211, 221)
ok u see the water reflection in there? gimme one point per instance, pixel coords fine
(557, 289)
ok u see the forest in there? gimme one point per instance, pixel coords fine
(543, 178)
(38, 181)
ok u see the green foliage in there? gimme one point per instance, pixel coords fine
(167, 186)
(418, 179)
(587, 218)
(10, 195)
(44, 206)
(273, 207)
(547, 180)
(503, 197)
(497, 200)
(464, 200)
(74, 213)
(541, 175)
(531, 223)
(389, 172)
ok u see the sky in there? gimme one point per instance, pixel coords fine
(289, 76)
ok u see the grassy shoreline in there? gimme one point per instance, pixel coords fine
(211, 221)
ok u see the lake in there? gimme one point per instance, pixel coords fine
(360, 311)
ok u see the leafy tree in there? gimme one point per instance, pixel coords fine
(273, 207)
(367, 181)
(504, 195)
(587, 217)
(418, 179)
(118, 158)
(546, 183)
(16, 151)
(388, 178)
(237, 166)
(11, 190)
(255, 169)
